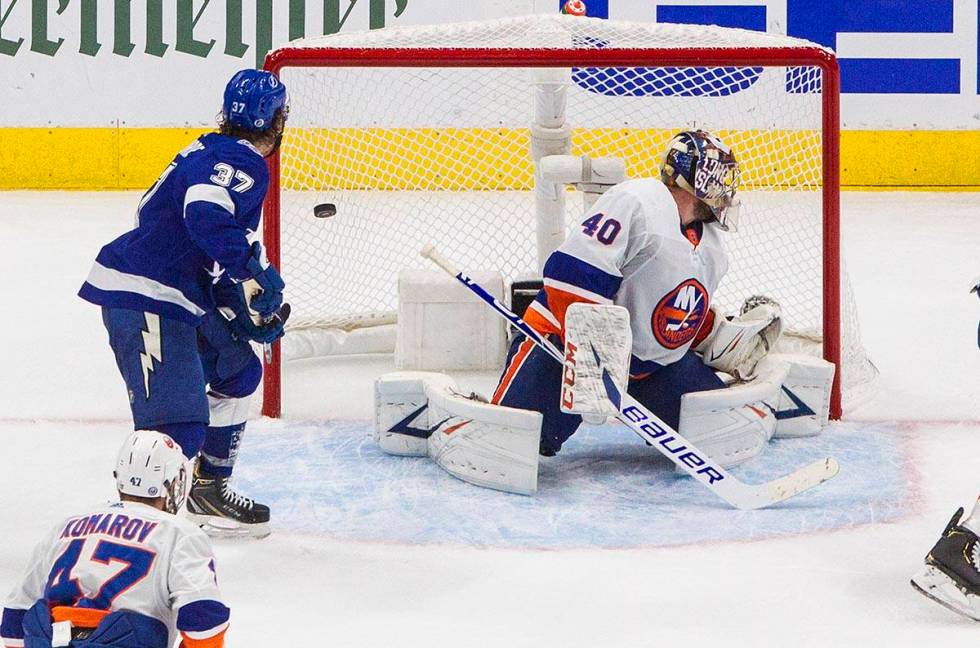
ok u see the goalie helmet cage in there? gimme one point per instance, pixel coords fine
(423, 134)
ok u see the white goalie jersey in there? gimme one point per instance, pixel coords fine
(632, 251)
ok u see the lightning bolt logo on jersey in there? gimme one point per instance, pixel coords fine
(679, 315)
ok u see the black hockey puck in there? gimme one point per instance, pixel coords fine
(325, 210)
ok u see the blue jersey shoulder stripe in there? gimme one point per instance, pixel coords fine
(201, 616)
(568, 269)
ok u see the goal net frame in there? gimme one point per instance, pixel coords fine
(438, 57)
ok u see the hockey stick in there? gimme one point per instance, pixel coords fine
(660, 435)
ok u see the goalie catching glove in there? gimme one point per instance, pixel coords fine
(737, 344)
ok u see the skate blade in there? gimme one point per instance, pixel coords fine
(934, 584)
(216, 527)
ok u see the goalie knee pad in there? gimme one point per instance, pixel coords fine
(790, 397)
(733, 425)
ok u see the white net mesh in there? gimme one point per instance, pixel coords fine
(412, 155)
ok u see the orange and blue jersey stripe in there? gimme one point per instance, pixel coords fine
(202, 624)
(513, 367)
(87, 618)
(568, 280)
(569, 270)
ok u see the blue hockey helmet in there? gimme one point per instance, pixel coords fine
(704, 166)
(252, 98)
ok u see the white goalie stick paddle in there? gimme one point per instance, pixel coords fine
(660, 435)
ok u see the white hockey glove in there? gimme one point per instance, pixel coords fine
(737, 344)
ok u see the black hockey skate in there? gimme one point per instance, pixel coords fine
(222, 513)
(952, 574)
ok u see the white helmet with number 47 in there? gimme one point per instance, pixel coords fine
(152, 465)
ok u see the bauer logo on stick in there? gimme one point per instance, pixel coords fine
(678, 316)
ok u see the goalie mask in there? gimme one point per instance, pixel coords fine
(704, 166)
(151, 465)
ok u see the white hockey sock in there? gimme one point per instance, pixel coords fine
(973, 521)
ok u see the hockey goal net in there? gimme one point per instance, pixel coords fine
(430, 134)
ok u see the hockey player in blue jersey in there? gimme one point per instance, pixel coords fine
(186, 290)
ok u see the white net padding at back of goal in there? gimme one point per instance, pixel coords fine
(425, 135)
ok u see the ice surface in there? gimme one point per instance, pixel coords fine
(372, 550)
(605, 489)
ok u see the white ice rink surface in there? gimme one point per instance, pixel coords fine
(375, 551)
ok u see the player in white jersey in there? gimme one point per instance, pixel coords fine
(952, 574)
(654, 247)
(125, 575)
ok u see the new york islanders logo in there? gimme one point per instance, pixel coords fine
(678, 316)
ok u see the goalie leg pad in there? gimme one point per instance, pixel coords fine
(401, 411)
(733, 425)
(423, 414)
(803, 408)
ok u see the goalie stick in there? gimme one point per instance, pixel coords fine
(661, 436)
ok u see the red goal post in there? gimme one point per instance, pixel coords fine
(681, 57)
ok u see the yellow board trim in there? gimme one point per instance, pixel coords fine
(132, 158)
(494, 159)
(88, 158)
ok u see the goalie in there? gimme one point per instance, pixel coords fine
(629, 296)
(654, 247)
